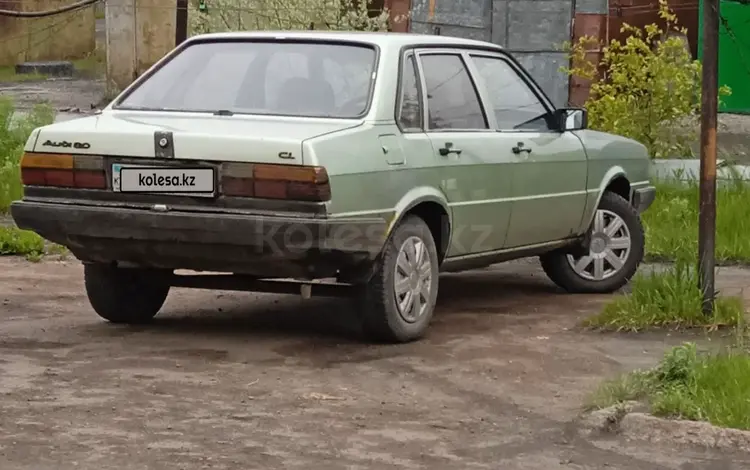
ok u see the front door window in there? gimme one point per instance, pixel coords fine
(515, 105)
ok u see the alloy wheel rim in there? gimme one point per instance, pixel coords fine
(412, 279)
(611, 243)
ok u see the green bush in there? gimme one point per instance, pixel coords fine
(14, 132)
(646, 88)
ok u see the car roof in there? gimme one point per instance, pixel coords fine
(381, 39)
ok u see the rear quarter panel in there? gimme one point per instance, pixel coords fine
(367, 181)
(609, 157)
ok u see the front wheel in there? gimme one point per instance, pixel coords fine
(122, 295)
(398, 302)
(616, 249)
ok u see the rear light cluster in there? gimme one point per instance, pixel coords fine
(299, 183)
(60, 170)
(292, 182)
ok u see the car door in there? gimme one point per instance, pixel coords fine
(550, 168)
(468, 151)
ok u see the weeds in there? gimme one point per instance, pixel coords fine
(14, 241)
(713, 387)
(14, 132)
(671, 223)
(668, 298)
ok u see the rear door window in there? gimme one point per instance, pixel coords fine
(452, 98)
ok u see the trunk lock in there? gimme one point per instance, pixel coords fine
(163, 144)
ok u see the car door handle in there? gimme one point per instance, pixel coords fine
(449, 149)
(519, 148)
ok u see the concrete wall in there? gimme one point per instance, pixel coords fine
(533, 30)
(139, 33)
(67, 36)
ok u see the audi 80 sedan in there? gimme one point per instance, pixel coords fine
(331, 163)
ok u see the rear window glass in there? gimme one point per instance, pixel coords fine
(277, 78)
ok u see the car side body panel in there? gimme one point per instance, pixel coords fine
(611, 157)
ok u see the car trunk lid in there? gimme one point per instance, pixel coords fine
(237, 138)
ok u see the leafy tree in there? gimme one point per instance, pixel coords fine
(646, 88)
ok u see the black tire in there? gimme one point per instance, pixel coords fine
(119, 295)
(559, 270)
(381, 318)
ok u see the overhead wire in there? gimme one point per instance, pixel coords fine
(52, 12)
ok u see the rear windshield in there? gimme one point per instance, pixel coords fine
(275, 78)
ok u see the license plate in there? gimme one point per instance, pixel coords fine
(163, 180)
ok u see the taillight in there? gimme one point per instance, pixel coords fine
(299, 183)
(65, 171)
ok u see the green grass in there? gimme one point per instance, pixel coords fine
(93, 65)
(671, 223)
(687, 385)
(9, 75)
(666, 299)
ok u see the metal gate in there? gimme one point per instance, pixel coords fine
(734, 55)
(532, 31)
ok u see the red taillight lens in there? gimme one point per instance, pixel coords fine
(64, 171)
(299, 183)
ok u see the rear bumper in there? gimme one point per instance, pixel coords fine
(265, 246)
(643, 198)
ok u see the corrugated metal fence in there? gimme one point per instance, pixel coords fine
(533, 30)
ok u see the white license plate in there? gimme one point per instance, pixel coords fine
(163, 180)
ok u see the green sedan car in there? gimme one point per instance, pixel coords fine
(326, 163)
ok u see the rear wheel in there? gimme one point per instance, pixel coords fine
(124, 295)
(398, 302)
(615, 251)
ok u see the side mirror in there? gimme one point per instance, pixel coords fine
(572, 119)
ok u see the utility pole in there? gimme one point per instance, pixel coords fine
(709, 116)
(181, 22)
(121, 44)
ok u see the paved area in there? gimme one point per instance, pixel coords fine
(241, 381)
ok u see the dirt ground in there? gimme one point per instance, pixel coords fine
(241, 381)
